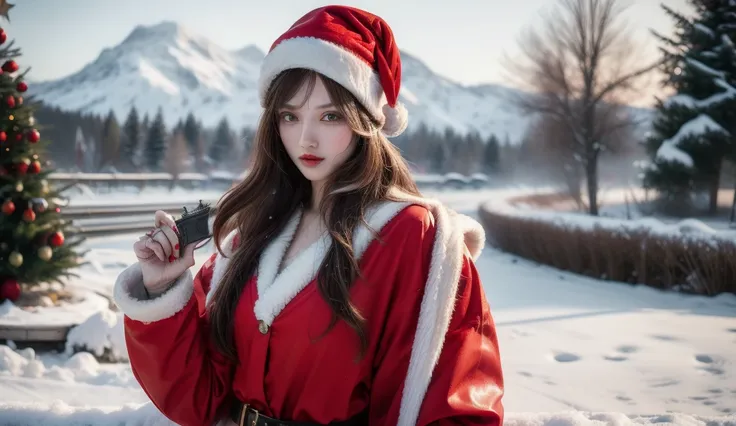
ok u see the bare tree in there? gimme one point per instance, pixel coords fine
(554, 149)
(551, 152)
(581, 64)
(177, 153)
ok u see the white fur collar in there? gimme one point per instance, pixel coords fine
(455, 233)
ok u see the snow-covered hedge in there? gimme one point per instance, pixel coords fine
(688, 256)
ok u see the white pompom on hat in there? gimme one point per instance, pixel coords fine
(352, 47)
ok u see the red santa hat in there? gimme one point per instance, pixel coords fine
(350, 46)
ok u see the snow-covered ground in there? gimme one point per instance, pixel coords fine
(575, 350)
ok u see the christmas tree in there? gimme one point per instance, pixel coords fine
(33, 248)
(694, 131)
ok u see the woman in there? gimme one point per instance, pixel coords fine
(337, 295)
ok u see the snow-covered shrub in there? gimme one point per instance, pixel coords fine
(102, 335)
(688, 256)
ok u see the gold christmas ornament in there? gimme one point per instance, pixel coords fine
(15, 259)
(19, 187)
(44, 253)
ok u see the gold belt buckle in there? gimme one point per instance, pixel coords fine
(243, 411)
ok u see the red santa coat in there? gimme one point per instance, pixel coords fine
(432, 356)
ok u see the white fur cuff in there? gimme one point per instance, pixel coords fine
(130, 282)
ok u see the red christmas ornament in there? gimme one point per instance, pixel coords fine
(56, 239)
(18, 137)
(21, 168)
(10, 101)
(35, 167)
(33, 136)
(3, 136)
(3, 36)
(8, 207)
(10, 66)
(21, 87)
(10, 289)
(29, 215)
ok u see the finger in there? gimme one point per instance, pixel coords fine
(140, 249)
(173, 239)
(163, 218)
(156, 247)
(188, 255)
(161, 238)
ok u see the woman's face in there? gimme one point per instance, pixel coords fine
(316, 135)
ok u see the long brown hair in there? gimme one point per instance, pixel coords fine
(260, 206)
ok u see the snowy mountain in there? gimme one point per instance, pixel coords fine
(168, 65)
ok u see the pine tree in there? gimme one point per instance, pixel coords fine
(491, 155)
(693, 131)
(246, 137)
(33, 246)
(222, 144)
(132, 138)
(438, 156)
(156, 142)
(191, 132)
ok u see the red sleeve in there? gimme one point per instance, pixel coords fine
(467, 384)
(176, 363)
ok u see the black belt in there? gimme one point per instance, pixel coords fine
(245, 415)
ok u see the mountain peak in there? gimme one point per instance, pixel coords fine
(164, 29)
(251, 52)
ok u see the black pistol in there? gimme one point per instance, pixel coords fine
(193, 226)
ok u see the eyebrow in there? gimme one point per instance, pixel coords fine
(327, 105)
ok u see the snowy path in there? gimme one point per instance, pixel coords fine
(567, 342)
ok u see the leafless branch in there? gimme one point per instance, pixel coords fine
(577, 62)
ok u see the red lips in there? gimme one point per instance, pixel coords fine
(310, 160)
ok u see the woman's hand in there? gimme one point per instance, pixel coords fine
(158, 255)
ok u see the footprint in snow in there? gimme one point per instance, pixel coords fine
(627, 349)
(710, 364)
(616, 358)
(664, 337)
(699, 398)
(705, 359)
(566, 357)
(665, 383)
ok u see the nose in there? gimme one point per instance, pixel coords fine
(308, 137)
